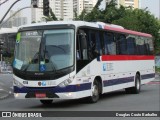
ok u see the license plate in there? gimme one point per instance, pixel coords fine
(40, 95)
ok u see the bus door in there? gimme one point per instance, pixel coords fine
(82, 50)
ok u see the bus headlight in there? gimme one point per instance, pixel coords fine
(66, 82)
(18, 84)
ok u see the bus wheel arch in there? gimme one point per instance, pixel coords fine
(96, 90)
(99, 79)
(137, 85)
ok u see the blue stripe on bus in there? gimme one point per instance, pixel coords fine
(57, 89)
(118, 81)
(147, 76)
(126, 80)
(80, 87)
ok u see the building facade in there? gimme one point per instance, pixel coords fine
(127, 3)
(80, 5)
(15, 21)
(133, 3)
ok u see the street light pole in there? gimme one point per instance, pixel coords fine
(8, 10)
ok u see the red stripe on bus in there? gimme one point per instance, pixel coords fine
(125, 57)
(127, 31)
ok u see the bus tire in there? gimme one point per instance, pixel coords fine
(137, 88)
(95, 92)
(46, 102)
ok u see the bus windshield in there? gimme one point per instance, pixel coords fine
(44, 50)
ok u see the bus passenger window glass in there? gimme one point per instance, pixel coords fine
(98, 43)
(122, 44)
(146, 45)
(140, 42)
(109, 44)
(151, 48)
(101, 37)
(94, 45)
(82, 46)
(131, 45)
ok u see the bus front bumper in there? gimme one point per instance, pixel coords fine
(69, 92)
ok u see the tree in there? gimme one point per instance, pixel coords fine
(75, 14)
(82, 15)
(142, 21)
(33, 22)
(93, 15)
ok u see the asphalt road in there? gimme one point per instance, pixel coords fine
(147, 100)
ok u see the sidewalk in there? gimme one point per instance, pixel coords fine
(157, 77)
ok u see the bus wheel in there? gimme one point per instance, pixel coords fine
(95, 92)
(137, 88)
(46, 102)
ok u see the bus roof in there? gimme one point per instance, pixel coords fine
(101, 25)
(8, 30)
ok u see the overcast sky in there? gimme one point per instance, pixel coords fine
(152, 5)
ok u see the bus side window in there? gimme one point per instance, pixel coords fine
(82, 46)
(122, 44)
(109, 44)
(151, 48)
(98, 44)
(140, 41)
(131, 46)
(94, 45)
(101, 37)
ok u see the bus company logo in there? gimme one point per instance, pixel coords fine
(107, 66)
(43, 83)
(39, 73)
(104, 66)
(39, 83)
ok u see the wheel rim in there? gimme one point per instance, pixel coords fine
(95, 91)
(138, 84)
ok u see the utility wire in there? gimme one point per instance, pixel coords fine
(15, 14)
(3, 2)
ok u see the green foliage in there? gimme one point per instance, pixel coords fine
(33, 22)
(75, 15)
(82, 15)
(157, 69)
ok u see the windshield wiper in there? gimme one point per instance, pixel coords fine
(46, 58)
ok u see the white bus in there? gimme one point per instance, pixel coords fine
(77, 59)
